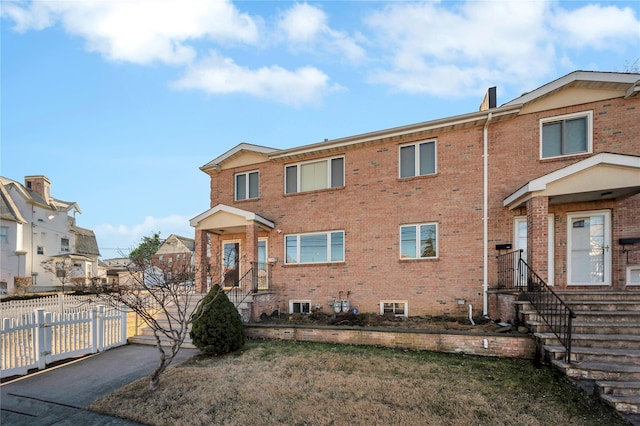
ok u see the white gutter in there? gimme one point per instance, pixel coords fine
(485, 219)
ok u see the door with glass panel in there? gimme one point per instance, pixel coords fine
(588, 243)
(231, 263)
(263, 276)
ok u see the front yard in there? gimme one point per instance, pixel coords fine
(275, 383)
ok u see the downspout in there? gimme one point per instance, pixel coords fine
(485, 219)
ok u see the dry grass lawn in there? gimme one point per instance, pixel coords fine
(276, 383)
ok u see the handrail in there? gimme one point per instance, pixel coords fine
(253, 280)
(553, 310)
(515, 274)
(508, 278)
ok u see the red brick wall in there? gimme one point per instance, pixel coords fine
(501, 345)
(514, 161)
(374, 203)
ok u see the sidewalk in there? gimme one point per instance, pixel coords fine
(60, 395)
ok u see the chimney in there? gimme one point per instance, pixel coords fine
(39, 184)
(489, 100)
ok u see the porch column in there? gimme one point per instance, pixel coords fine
(251, 250)
(537, 235)
(201, 260)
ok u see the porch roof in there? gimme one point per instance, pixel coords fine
(603, 176)
(227, 219)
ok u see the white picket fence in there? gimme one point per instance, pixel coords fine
(59, 302)
(33, 340)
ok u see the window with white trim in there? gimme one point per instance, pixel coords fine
(247, 185)
(418, 159)
(569, 134)
(299, 306)
(4, 234)
(397, 308)
(314, 175)
(318, 247)
(419, 241)
(64, 244)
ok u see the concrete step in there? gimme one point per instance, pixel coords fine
(604, 341)
(150, 340)
(599, 370)
(613, 316)
(617, 388)
(585, 327)
(606, 305)
(576, 295)
(624, 404)
(581, 354)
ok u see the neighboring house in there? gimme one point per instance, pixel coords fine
(37, 227)
(117, 270)
(175, 252)
(410, 220)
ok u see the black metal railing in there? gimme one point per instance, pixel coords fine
(254, 280)
(508, 270)
(515, 274)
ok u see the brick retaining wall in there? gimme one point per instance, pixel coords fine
(497, 344)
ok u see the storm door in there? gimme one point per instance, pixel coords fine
(588, 254)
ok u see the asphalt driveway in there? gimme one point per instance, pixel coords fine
(60, 395)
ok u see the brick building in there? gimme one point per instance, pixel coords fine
(410, 220)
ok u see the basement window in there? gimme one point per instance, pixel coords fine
(394, 307)
(300, 306)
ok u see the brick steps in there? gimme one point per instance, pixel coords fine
(605, 343)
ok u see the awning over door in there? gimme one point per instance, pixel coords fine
(226, 219)
(600, 177)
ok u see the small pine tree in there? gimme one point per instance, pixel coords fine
(217, 327)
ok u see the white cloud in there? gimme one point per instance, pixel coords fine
(457, 49)
(306, 28)
(219, 75)
(600, 27)
(117, 240)
(139, 31)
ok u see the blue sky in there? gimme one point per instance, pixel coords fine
(119, 103)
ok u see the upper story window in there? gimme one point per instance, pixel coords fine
(320, 247)
(419, 241)
(247, 185)
(312, 175)
(418, 159)
(4, 234)
(64, 244)
(566, 135)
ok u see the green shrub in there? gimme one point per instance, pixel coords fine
(217, 327)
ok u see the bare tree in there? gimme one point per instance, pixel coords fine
(63, 268)
(165, 297)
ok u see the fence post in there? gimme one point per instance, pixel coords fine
(100, 325)
(61, 303)
(123, 323)
(40, 340)
(94, 330)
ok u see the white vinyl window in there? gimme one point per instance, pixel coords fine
(397, 308)
(247, 185)
(4, 234)
(319, 247)
(314, 175)
(299, 306)
(564, 135)
(418, 159)
(419, 241)
(64, 244)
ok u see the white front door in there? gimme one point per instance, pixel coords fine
(520, 243)
(588, 242)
